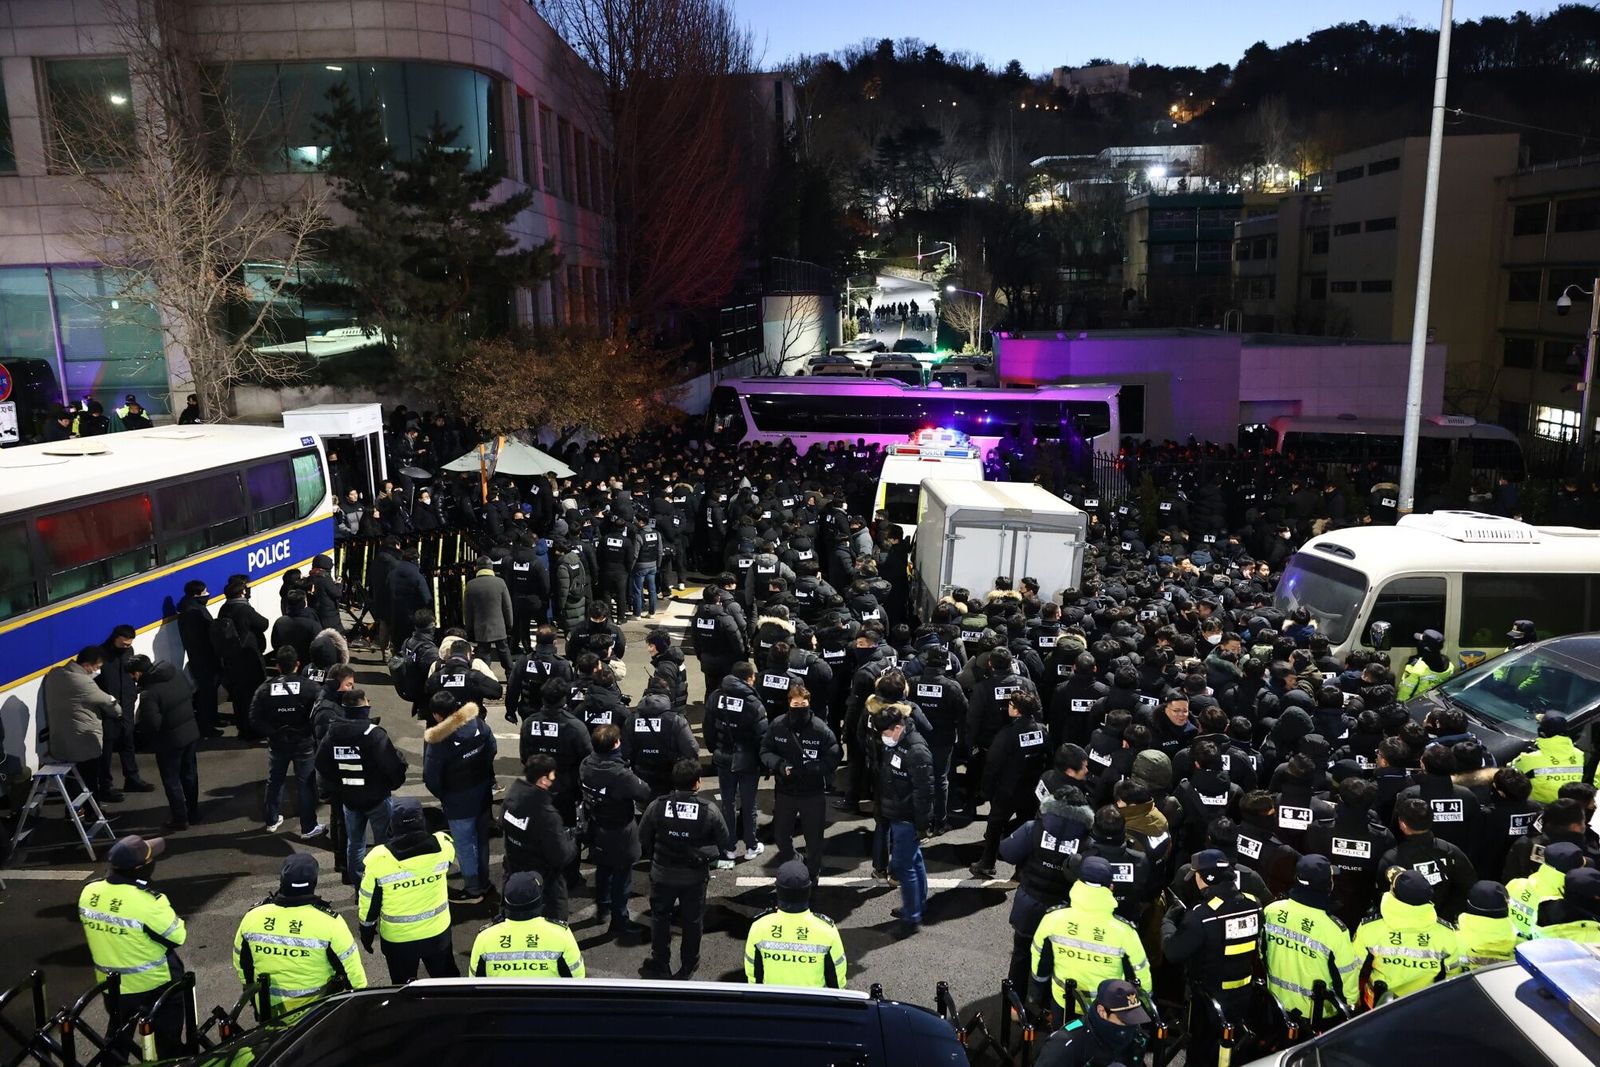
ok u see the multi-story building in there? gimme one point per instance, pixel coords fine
(1343, 261)
(1180, 253)
(1546, 233)
(525, 105)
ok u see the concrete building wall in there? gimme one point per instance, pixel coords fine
(1364, 380)
(795, 327)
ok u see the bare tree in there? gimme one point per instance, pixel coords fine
(673, 101)
(801, 323)
(961, 312)
(173, 206)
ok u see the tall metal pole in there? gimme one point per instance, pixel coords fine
(1586, 408)
(1419, 312)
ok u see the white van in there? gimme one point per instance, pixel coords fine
(943, 454)
(1465, 574)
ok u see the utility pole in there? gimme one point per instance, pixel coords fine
(1419, 312)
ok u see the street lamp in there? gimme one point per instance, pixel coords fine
(1586, 405)
(973, 336)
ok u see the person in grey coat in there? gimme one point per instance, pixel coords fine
(75, 711)
(487, 609)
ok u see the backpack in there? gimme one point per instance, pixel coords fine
(407, 672)
(225, 639)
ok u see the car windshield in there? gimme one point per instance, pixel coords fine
(1330, 591)
(1513, 689)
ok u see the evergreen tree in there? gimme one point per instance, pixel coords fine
(428, 253)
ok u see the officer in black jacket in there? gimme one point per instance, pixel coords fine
(735, 725)
(944, 702)
(718, 639)
(457, 677)
(599, 624)
(536, 836)
(529, 582)
(281, 711)
(1133, 880)
(658, 737)
(1072, 704)
(683, 834)
(617, 551)
(1446, 867)
(1354, 844)
(1217, 942)
(905, 802)
(553, 730)
(801, 754)
(361, 767)
(530, 672)
(1016, 759)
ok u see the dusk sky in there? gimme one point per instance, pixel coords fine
(1049, 33)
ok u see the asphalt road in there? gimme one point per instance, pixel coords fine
(221, 867)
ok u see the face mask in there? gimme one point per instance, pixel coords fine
(95, 673)
(1213, 639)
(890, 741)
(799, 712)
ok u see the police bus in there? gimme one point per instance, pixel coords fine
(101, 531)
(1464, 574)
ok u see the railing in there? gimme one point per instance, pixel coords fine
(446, 558)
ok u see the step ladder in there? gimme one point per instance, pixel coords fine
(82, 809)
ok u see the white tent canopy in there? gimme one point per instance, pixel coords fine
(517, 460)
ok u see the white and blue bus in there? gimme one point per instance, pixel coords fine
(107, 530)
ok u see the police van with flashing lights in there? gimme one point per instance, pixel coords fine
(1543, 1009)
(930, 453)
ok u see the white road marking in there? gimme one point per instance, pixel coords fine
(46, 875)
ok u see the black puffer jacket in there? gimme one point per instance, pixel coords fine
(166, 708)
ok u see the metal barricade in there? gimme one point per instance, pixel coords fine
(33, 1042)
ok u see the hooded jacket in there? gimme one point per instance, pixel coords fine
(166, 708)
(1040, 849)
(458, 762)
(800, 752)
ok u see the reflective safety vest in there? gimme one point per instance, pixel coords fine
(1584, 931)
(1553, 763)
(1303, 946)
(1418, 678)
(795, 948)
(1526, 894)
(1483, 940)
(526, 948)
(1406, 947)
(302, 948)
(132, 932)
(408, 899)
(1086, 942)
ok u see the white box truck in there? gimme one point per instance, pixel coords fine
(972, 532)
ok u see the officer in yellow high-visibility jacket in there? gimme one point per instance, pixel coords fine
(793, 945)
(1304, 944)
(298, 941)
(404, 897)
(134, 934)
(1546, 883)
(1484, 931)
(1085, 942)
(1554, 761)
(1406, 946)
(1427, 669)
(524, 944)
(1576, 916)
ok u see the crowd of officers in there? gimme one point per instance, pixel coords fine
(1191, 792)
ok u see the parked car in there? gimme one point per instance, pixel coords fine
(867, 344)
(1537, 1010)
(966, 372)
(1504, 696)
(901, 368)
(911, 344)
(835, 364)
(664, 1024)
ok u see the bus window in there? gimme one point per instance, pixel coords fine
(727, 416)
(200, 514)
(308, 483)
(98, 543)
(900, 502)
(1491, 602)
(1410, 606)
(272, 493)
(17, 591)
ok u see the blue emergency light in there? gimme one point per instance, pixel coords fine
(935, 444)
(1570, 971)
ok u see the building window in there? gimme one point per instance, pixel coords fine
(1561, 357)
(1522, 286)
(1561, 279)
(1342, 287)
(525, 132)
(1374, 225)
(1556, 424)
(1382, 285)
(597, 178)
(1241, 251)
(605, 180)
(580, 166)
(1383, 166)
(277, 106)
(1169, 219)
(1530, 219)
(574, 295)
(1214, 251)
(1345, 229)
(1316, 287)
(1518, 352)
(547, 150)
(8, 154)
(110, 340)
(1578, 215)
(1349, 174)
(564, 150)
(1219, 216)
(1319, 240)
(90, 104)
